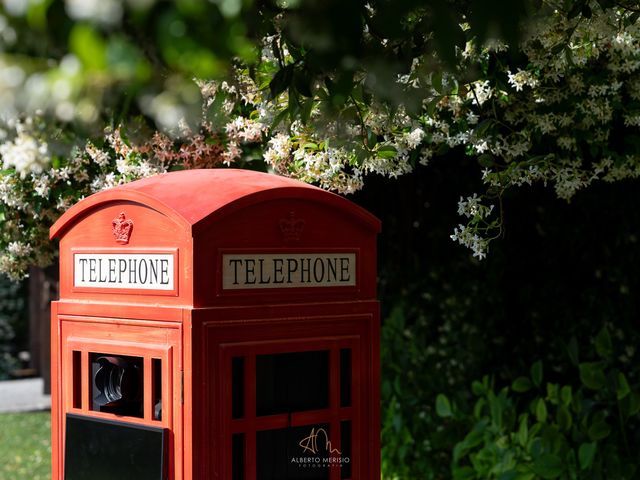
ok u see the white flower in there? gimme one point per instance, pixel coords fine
(279, 151)
(466, 237)
(98, 156)
(26, 154)
(41, 185)
(520, 79)
(19, 249)
(414, 138)
(245, 130)
(479, 92)
(472, 207)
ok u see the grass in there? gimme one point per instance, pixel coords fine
(25, 446)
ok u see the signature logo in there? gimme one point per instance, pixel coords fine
(310, 444)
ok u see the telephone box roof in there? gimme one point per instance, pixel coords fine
(191, 197)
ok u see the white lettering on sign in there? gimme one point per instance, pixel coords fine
(147, 271)
(295, 270)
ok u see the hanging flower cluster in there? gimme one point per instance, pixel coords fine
(567, 114)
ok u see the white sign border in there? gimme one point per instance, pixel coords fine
(137, 290)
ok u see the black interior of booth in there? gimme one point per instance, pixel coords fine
(286, 383)
(292, 382)
(99, 449)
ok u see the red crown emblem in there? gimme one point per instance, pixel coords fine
(291, 228)
(122, 228)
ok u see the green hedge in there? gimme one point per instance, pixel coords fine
(13, 324)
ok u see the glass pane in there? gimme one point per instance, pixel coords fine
(117, 384)
(345, 450)
(237, 456)
(300, 453)
(345, 377)
(292, 382)
(237, 387)
(77, 378)
(156, 381)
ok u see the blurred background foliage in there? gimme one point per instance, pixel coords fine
(560, 275)
(13, 325)
(92, 62)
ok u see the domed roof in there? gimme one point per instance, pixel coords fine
(191, 196)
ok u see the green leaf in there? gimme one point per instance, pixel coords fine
(478, 388)
(436, 81)
(523, 431)
(566, 395)
(606, 3)
(604, 347)
(475, 437)
(281, 81)
(125, 61)
(305, 110)
(372, 138)
(302, 82)
(443, 407)
(293, 104)
(483, 127)
(443, 149)
(521, 384)
(486, 160)
(575, 9)
(478, 408)
(586, 453)
(541, 411)
(630, 404)
(536, 373)
(592, 375)
(37, 14)
(572, 350)
(497, 406)
(552, 393)
(525, 476)
(464, 473)
(622, 386)
(432, 105)
(386, 151)
(599, 430)
(548, 466)
(89, 47)
(279, 118)
(535, 447)
(563, 418)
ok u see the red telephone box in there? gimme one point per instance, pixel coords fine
(216, 324)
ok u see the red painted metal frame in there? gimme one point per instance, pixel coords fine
(251, 423)
(310, 329)
(148, 340)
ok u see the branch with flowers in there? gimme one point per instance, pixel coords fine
(561, 107)
(565, 113)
